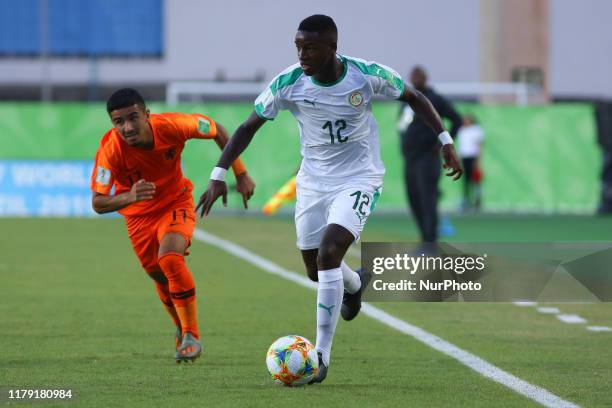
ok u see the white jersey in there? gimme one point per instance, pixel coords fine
(338, 133)
(470, 139)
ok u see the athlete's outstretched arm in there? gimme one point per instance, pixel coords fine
(425, 110)
(244, 183)
(241, 139)
(222, 136)
(141, 190)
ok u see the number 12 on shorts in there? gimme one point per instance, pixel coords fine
(361, 199)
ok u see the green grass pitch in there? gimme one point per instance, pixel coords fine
(78, 312)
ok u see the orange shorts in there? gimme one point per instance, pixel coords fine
(147, 231)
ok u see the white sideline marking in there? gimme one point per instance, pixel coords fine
(533, 392)
(525, 303)
(566, 318)
(571, 318)
(599, 328)
(549, 310)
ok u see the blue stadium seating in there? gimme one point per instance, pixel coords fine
(83, 27)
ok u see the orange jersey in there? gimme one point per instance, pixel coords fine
(120, 165)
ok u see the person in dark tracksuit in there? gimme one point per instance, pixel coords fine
(420, 148)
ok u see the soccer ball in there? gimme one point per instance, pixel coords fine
(292, 360)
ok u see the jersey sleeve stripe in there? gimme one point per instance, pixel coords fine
(379, 71)
(259, 108)
(286, 79)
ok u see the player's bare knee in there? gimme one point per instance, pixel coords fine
(172, 243)
(329, 257)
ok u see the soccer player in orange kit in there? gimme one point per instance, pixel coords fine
(140, 157)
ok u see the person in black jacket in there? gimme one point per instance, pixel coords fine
(420, 149)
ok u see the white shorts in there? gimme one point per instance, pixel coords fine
(348, 206)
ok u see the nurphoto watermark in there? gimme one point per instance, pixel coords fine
(488, 272)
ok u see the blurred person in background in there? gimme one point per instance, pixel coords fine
(421, 153)
(470, 138)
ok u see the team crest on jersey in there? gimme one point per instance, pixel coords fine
(103, 176)
(355, 99)
(170, 153)
(203, 126)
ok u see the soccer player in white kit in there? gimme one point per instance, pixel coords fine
(341, 174)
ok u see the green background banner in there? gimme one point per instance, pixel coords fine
(536, 158)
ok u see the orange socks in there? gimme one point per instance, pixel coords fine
(182, 291)
(189, 317)
(164, 295)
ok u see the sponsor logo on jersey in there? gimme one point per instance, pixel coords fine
(355, 99)
(203, 126)
(103, 176)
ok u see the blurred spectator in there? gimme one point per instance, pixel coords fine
(420, 148)
(470, 138)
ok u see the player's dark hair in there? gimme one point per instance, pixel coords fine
(319, 23)
(123, 98)
(419, 68)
